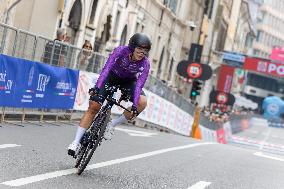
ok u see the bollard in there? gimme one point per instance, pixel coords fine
(23, 115)
(195, 130)
(41, 116)
(2, 115)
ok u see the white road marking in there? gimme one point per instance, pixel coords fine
(200, 185)
(265, 139)
(260, 154)
(9, 145)
(136, 133)
(275, 136)
(36, 178)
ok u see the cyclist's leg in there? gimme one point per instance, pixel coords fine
(142, 103)
(95, 104)
(93, 109)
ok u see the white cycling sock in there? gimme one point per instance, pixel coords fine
(79, 134)
(117, 121)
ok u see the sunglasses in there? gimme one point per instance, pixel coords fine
(88, 47)
(140, 50)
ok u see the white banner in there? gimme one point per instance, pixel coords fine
(207, 134)
(161, 112)
(166, 114)
(158, 111)
(86, 81)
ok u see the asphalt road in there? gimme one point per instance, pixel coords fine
(35, 157)
(261, 138)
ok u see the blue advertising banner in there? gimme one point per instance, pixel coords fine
(31, 84)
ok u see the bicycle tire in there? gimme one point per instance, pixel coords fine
(87, 156)
(80, 156)
(81, 151)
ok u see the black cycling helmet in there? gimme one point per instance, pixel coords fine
(139, 40)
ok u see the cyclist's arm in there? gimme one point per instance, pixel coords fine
(110, 62)
(140, 84)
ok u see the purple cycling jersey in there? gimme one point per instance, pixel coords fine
(120, 64)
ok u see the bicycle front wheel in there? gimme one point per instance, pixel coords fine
(86, 157)
(101, 123)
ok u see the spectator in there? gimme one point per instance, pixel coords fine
(85, 55)
(55, 51)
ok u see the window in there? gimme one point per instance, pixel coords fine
(262, 82)
(248, 40)
(220, 43)
(257, 35)
(157, 46)
(256, 52)
(171, 4)
(160, 63)
(116, 23)
(170, 70)
(123, 36)
(211, 5)
(75, 15)
(137, 27)
(93, 13)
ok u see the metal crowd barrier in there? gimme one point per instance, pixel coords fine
(22, 44)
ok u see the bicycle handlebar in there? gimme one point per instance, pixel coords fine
(116, 103)
(110, 91)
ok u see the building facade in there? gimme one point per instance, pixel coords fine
(231, 31)
(269, 21)
(270, 26)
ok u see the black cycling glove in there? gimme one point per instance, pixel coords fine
(134, 111)
(94, 90)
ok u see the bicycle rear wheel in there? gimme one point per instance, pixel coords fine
(101, 123)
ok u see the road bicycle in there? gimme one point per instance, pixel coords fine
(94, 135)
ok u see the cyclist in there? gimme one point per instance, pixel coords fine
(127, 66)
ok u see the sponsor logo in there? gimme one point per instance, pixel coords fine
(63, 86)
(42, 82)
(262, 66)
(279, 69)
(273, 109)
(9, 85)
(3, 76)
(31, 76)
(271, 68)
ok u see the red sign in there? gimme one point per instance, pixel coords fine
(225, 79)
(264, 66)
(277, 54)
(194, 70)
(222, 98)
